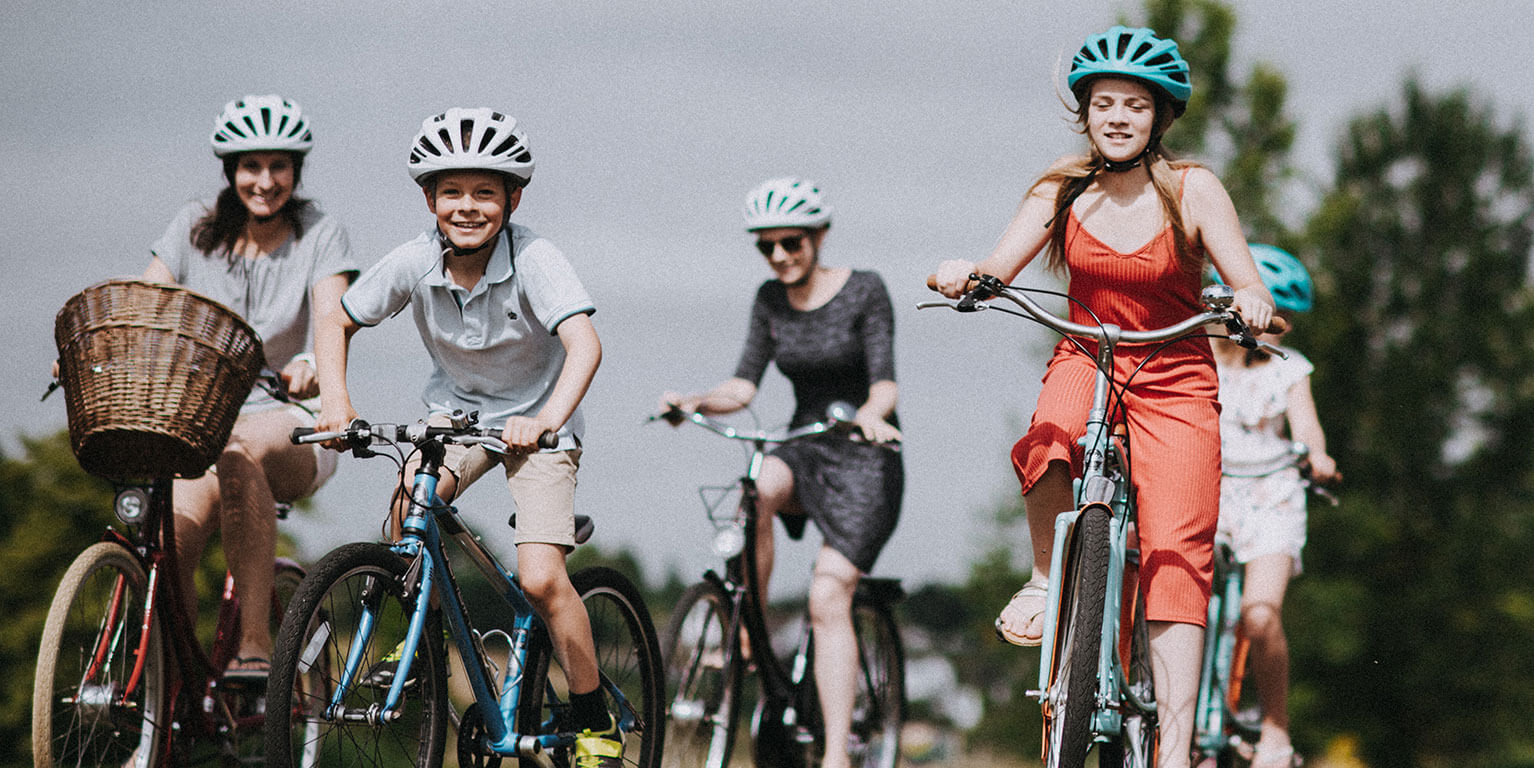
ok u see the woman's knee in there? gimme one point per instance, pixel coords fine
(775, 486)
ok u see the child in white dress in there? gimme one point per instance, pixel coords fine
(1267, 407)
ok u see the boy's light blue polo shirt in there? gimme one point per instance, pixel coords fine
(493, 348)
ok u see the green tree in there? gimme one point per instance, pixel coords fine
(49, 511)
(1416, 627)
(1241, 129)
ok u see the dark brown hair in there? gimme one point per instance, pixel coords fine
(219, 229)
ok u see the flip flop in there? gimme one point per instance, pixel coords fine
(1033, 589)
(261, 670)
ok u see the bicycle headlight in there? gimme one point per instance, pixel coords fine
(131, 505)
(729, 540)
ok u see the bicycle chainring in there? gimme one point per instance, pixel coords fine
(471, 733)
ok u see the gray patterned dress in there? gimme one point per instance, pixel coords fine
(833, 352)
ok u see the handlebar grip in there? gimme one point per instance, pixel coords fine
(548, 440)
(1277, 325)
(296, 437)
(932, 282)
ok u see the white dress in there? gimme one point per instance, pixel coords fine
(1262, 497)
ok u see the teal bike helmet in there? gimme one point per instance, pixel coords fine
(1286, 278)
(1134, 53)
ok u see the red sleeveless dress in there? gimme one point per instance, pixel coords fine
(1170, 408)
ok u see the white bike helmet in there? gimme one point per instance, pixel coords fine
(261, 124)
(786, 202)
(478, 139)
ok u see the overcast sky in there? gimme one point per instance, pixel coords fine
(923, 122)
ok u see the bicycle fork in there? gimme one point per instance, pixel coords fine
(1112, 687)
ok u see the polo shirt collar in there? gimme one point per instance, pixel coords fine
(498, 270)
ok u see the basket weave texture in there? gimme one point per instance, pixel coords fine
(153, 378)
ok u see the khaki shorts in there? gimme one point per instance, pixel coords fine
(542, 487)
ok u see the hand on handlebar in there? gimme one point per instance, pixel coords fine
(675, 407)
(952, 278)
(876, 430)
(525, 434)
(1323, 469)
(335, 419)
(1255, 307)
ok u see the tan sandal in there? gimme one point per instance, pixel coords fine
(1033, 589)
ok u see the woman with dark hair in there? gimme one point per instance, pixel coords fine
(277, 261)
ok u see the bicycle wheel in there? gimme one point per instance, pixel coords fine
(1072, 693)
(320, 633)
(628, 655)
(879, 707)
(90, 706)
(703, 679)
(1135, 747)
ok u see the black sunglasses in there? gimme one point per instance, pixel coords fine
(791, 244)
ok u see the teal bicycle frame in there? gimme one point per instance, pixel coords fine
(1104, 484)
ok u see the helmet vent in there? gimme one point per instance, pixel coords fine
(1123, 45)
(1142, 50)
(425, 146)
(447, 141)
(465, 133)
(234, 129)
(266, 119)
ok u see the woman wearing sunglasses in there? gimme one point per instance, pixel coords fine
(831, 332)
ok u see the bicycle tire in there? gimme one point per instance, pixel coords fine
(310, 644)
(628, 654)
(703, 675)
(879, 706)
(1136, 746)
(1072, 693)
(74, 724)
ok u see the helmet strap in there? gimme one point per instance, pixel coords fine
(457, 250)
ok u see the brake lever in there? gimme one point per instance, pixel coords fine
(974, 300)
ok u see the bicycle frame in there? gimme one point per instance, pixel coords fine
(151, 541)
(1224, 659)
(740, 569)
(1105, 482)
(430, 573)
(788, 721)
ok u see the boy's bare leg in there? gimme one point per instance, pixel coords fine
(541, 571)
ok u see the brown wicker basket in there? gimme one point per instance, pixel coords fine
(153, 378)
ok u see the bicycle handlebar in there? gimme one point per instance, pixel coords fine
(360, 434)
(839, 418)
(1298, 457)
(1217, 300)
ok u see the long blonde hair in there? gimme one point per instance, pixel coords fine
(1075, 175)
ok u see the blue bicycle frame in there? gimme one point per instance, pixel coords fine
(421, 545)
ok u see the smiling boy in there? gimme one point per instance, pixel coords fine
(507, 325)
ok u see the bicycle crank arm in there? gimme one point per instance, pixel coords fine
(530, 750)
